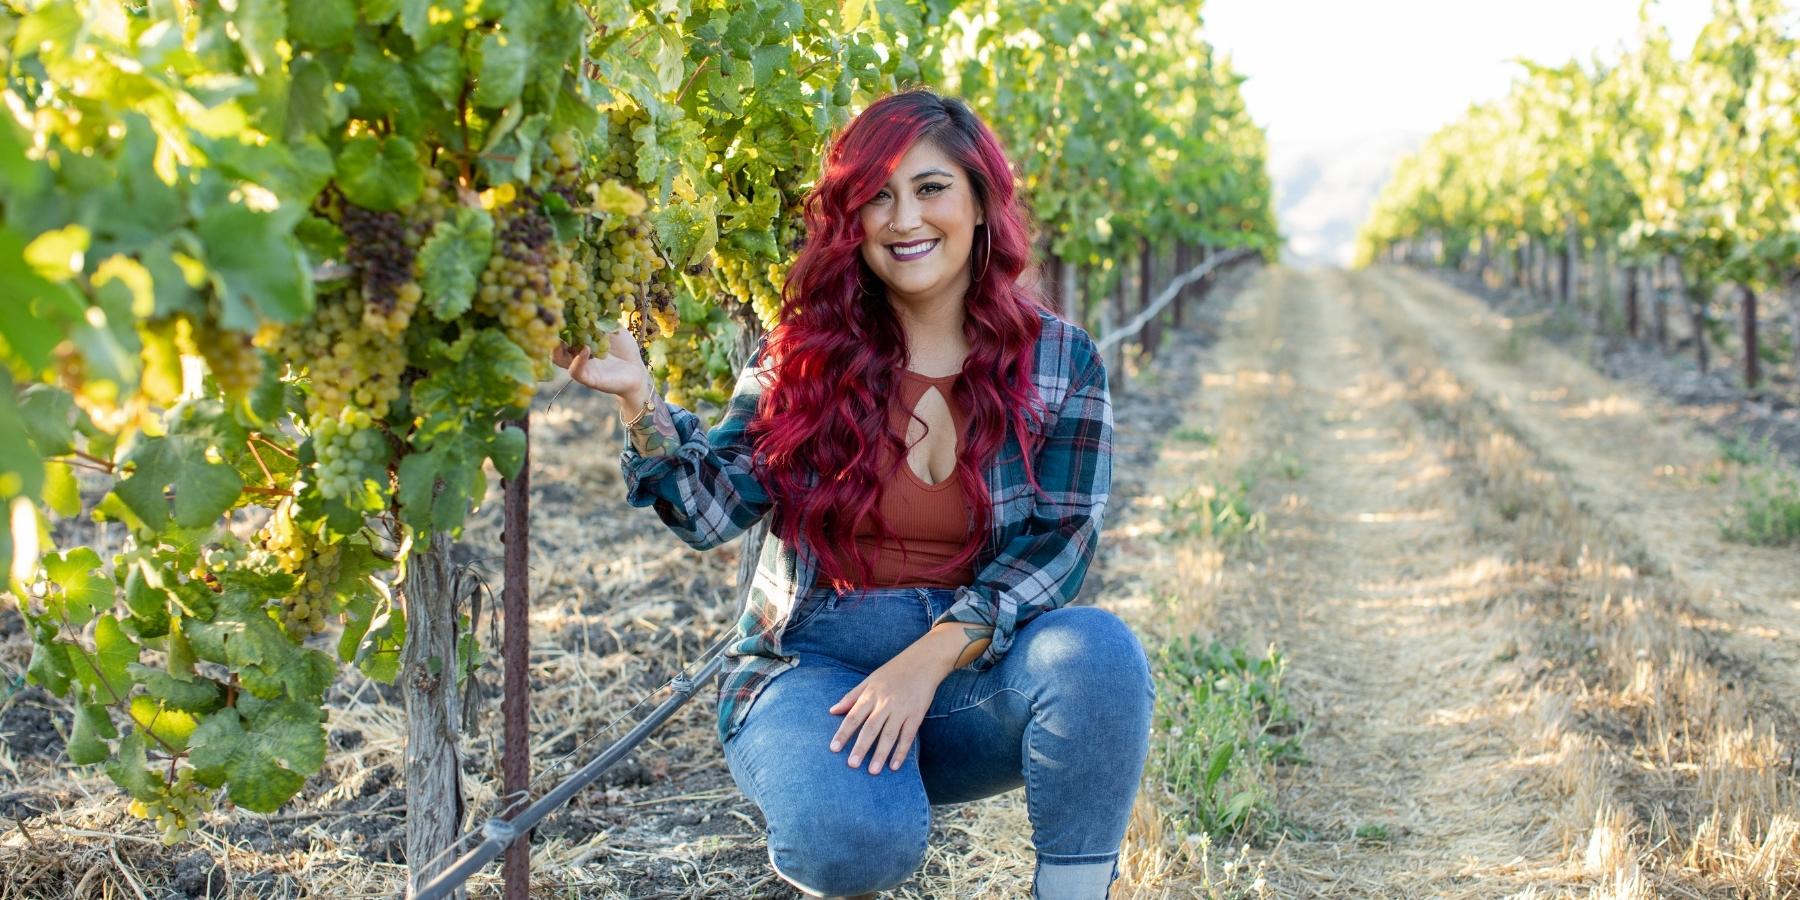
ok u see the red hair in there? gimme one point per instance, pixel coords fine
(838, 350)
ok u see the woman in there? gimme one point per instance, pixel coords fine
(909, 613)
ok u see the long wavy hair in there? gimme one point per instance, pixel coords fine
(823, 426)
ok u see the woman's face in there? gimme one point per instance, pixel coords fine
(918, 230)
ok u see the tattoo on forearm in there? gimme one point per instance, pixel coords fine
(978, 637)
(654, 434)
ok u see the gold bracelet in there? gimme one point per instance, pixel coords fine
(649, 406)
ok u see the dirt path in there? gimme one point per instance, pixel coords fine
(1511, 660)
(1629, 464)
(1375, 594)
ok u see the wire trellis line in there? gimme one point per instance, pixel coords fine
(499, 833)
(1130, 329)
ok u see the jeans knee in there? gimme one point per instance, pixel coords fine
(1101, 647)
(843, 857)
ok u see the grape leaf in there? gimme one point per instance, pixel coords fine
(170, 727)
(687, 231)
(105, 671)
(380, 12)
(266, 660)
(259, 270)
(323, 24)
(87, 740)
(260, 24)
(147, 599)
(438, 69)
(620, 200)
(382, 175)
(50, 665)
(378, 656)
(507, 449)
(265, 764)
(488, 372)
(203, 490)
(82, 589)
(130, 769)
(452, 259)
(438, 485)
(201, 695)
(415, 19)
(500, 77)
(49, 416)
(47, 305)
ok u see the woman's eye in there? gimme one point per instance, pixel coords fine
(931, 188)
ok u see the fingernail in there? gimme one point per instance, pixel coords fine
(836, 746)
(855, 761)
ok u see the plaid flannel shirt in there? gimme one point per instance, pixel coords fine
(1037, 550)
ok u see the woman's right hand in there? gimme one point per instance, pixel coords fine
(620, 372)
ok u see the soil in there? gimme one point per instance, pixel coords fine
(1715, 400)
(1510, 620)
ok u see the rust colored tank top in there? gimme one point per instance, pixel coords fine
(930, 522)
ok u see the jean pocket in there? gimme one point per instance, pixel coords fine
(807, 608)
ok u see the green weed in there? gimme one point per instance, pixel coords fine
(1286, 464)
(1744, 452)
(1767, 511)
(1222, 719)
(1195, 434)
(1768, 508)
(1219, 513)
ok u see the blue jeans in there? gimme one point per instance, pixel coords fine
(1065, 714)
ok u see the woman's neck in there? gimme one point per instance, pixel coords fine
(934, 335)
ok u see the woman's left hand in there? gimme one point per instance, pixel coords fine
(888, 707)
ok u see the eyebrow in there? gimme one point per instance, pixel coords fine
(930, 172)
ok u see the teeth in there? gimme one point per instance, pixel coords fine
(920, 250)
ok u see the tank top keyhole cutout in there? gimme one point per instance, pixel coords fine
(932, 444)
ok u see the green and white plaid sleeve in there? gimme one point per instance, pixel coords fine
(704, 487)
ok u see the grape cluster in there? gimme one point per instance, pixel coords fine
(231, 356)
(350, 364)
(220, 558)
(317, 567)
(755, 283)
(559, 171)
(622, 265)
(698, 368)
(520, 286)
(583, 310)
(659, 302)
(176, 809)
(350, 452)
(381, 246)
(620, 161)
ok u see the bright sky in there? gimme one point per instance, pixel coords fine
(1333, 69)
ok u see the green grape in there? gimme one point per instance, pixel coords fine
(381, 246)
(231, 357)
(176, 808)
(350, 363)
(350, 451)
(746, 284)
(316, 565)
(520, 286)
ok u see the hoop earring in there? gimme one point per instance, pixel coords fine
(989, 255)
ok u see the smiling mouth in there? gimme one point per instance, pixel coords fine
(914, 250)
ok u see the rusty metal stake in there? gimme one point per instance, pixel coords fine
(515, 652)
